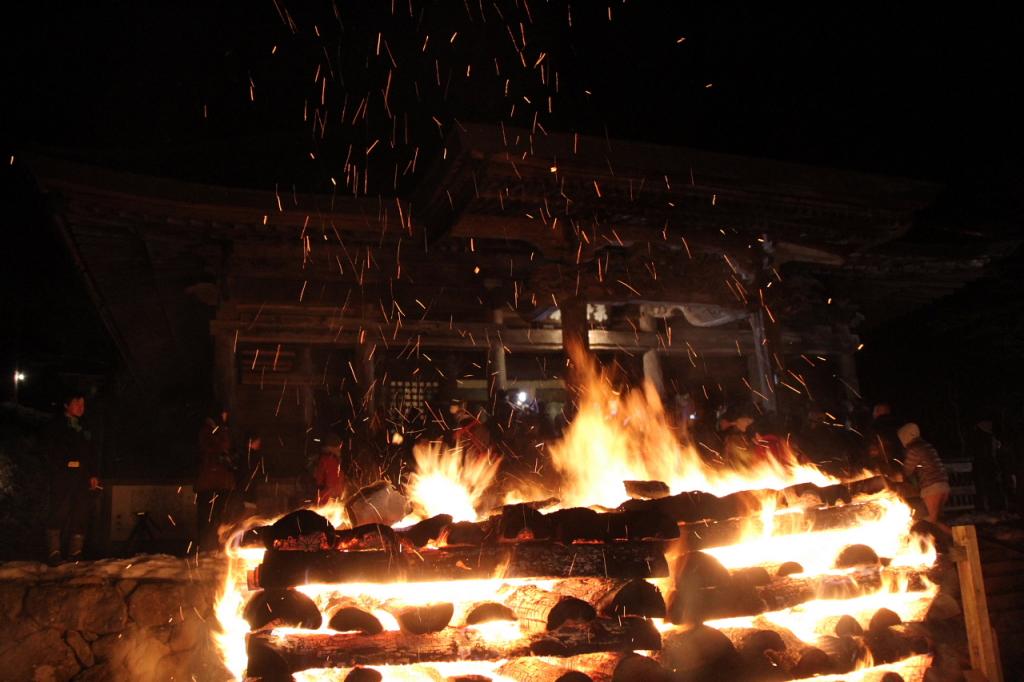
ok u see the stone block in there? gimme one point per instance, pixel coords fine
(43, 656)
(12, 596)
(153, 604)
(97, 608)
(81, 648)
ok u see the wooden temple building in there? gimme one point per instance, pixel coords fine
(722, 277)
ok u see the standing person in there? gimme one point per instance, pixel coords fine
(74, 480)
(215, 483)
(986, 464)
(328, 473)
(884, 446)
(921, 460)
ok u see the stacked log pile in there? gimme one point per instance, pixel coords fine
(595, 610)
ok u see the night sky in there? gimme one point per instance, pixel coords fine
(231, 93)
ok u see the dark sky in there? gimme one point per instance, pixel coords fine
(892, 87)
(230, 92)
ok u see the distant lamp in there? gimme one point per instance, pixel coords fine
(19, 377)
(521, 397)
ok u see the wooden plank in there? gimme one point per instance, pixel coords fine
(980, 636)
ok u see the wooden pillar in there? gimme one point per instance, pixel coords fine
(308, 401)
(759, 364)
(496, 373)
(575, 338)
(981, 638)
(366, 372)
(225, 371)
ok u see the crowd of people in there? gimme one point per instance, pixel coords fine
(517, 427)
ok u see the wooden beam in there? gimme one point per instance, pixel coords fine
(981, 638)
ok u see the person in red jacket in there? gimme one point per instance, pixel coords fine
(328, 473)
(216, 480)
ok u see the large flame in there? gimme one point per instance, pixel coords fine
(450, 480)
(621, 436)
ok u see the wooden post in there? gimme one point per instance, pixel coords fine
(760, 365)
(575, 337)
(498, 376)
(225, 372)
(981, 640)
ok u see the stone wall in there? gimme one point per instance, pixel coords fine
(145, 618)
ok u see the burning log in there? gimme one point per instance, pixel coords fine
(700, 653)
(511, 560)
(897, 642)
(281, 607)
(300, 530)
(619, 667)
(705, 534)
(536, 670)
(856, 555)
(367, 537)
(703, 592)
(487, 612)
(425, 531)
(646, 490)
(354, 619)
(360, 674)
(421, 619)
(271, 656)
(614, 598)
(538, 610)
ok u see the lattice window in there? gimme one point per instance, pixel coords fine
(403, 394)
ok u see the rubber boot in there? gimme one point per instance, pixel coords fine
(53, 547)
(75, 546)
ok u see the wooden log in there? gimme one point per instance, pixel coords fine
(612, 598)
(699, 653)
(513, 560)
(486, 612)
(420, 619)
(536, 670)
(360, 674)
(354, 619)
(281, 607)
(706, 534)
(688, 605)
(294, 527)
(619, 667)
(292, 653)
(646, 490)
(538, 610)
(418, 535)
(367, 537)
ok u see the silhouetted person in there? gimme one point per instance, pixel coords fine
(74, 479)
(884, 446)
(216, 480)
(328, 474)
(921, 460)
(990, 483)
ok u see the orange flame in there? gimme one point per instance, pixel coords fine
(450, 480)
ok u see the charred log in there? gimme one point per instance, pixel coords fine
(646, 490)
(700, 653)
(614, 598)
(487, 612)
(269, 654)
(281, 607)
(421, 619)
(354, 619)
(536, 670)
(619, 667)
(298, 528)
(425, 531)
(538, 610)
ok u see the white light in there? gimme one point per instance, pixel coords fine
(19, 377)
(521, 397)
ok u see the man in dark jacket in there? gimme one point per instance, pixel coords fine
(73, 480)
(921, 460)
(884, 447)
